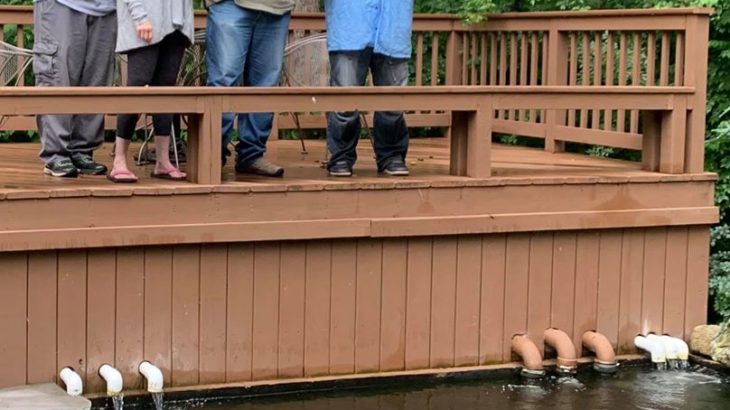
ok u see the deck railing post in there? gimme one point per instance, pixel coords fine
(557, 74)
(204, 142)
(695, 75)
(471, 141)
(453, 69)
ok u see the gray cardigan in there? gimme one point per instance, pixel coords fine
(166, 16)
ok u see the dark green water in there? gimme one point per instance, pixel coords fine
(632, 388)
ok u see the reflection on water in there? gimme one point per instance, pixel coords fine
(631, 388)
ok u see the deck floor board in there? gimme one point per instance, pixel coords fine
(21, 170)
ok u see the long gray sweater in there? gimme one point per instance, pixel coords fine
(166, 17)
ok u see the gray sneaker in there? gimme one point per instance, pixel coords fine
(260, 167)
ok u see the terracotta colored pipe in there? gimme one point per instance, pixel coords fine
(605, 356)
(560, 341)
(530, 354)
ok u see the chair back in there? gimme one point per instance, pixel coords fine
(14, 63)
(306, 62)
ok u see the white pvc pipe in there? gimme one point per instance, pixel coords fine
(72, 380)
(155, 380)
(113, 378)
(680, 346)
(670, 347)
(653, 346)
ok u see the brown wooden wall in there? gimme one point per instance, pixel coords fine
(238, 312)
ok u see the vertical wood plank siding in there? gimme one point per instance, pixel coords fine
(239, 312)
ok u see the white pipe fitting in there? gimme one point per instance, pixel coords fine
(670, 348)
(680, 346)
(72, 380)
(113, 378)
(653, 346)
(155, 379)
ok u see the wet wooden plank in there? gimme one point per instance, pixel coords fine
(71, 322)
(418, 303)
(13, 303)
(291, 309)
(213, 308)
(632, 273)
(185, 315)
(342, 319)
(698, 249)
(609, 284)
(239, 328)
(266, 310)
(563, 282)
(130, 314)
(317, 308)
(42, 303)
(443, 302)
(368, 300)
(539, 286)
(586, 284)
(675, 282)
(468, 291)
(393, 310)
(491, 325)
(515, 290)
(100, 333)
(652, 306)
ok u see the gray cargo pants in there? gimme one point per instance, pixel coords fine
(71, 49)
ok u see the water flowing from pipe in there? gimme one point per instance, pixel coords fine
(118, 402)
(157, 398)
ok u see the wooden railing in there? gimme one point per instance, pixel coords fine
(607, 48)
(472, 110)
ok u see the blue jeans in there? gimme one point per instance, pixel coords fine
(390, 133)
(245, 48)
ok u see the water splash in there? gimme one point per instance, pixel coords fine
(157, 399)
(118, 402)
(684, 364)
(661, 366)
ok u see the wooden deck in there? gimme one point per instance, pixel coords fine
(237, 279)
(21, 171)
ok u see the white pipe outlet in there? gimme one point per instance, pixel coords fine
(72, 380)
(653, 346)
(680, 346)
(155, 379)
(670, 348)
(113, 378)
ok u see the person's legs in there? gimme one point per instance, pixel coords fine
(390, 130)
(172, 49)
(98, 71)
(343, 128)
(58, 59)
(141, 63)
(263, 69)
(229, 30)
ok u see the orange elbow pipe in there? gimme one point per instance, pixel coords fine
(561, 342)
(530, 354)
(605, 356)
(599, 344)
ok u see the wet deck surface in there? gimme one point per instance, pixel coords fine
(20, 168)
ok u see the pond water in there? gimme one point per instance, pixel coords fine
(696, 388)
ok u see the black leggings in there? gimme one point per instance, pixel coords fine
(159, 65)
